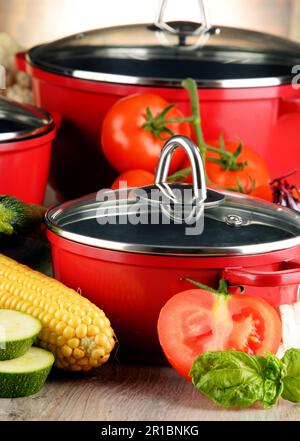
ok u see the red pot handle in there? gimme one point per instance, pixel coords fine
(20, 61)
(288, 276)
(57, 118)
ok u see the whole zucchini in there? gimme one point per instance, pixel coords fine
(16, 216)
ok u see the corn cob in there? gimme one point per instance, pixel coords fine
(75, 330)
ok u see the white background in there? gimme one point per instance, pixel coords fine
(35, 21)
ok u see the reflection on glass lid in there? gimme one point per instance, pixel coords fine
(20, 121)
(121, 220)
(146, 54)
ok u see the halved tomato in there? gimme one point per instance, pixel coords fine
(196, 321)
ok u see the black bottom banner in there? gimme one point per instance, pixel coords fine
(97, 431)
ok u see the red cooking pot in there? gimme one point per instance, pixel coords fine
(26, 135)
(128, 250)
(244, 78)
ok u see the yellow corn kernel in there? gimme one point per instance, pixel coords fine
(81, 331)
(52, 338)
(98, 353)
(47, 318)
(108, 332)
(98, 321)
(78, 353)
(74, 308)
(52, 348)
(61, 340)
(73, 343)
(87, 320)
(60, 327)
(25, 306)
(45, 334)
(66, 316)
(66, 351)
(93, 362)
(69, 332)
(101, 339)
(74, 322)
(58, 315)
(92, 330)
(52, 323)
(76, 331)
(83, 361)
(71, 360)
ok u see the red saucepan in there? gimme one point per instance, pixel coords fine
(244, 78)
(26, 135)
(128, 251)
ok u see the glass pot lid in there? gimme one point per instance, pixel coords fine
(19, 121)
(176, 219)
(165, 53)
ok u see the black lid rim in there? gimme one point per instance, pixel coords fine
(173, 251)
(169, 81)
(35, 114)
(99, 77)
(165, 250)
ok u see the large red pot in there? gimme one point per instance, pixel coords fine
(132, 270)
(245, 87)
(25, 149)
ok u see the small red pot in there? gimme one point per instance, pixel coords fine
(131, 270)
(25, 149)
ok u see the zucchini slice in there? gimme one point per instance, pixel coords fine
(25, 375)
(18, 332)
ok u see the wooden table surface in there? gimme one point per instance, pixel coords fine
(129, 393)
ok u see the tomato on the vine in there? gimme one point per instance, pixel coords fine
(263, 192)
(238, 177)
(249, 176)
(133, 178)
(197, 320)
(132, 137)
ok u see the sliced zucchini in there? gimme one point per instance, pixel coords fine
(25, 375)
(18, 332)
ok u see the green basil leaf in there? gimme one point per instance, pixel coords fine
(229, 378)
(273, 372)
(291, 383)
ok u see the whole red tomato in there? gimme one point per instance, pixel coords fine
(133, 178)
(250, 176)
(263, 192)
(127, 145)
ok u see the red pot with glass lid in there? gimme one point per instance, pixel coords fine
(26, 135)
(244, 79)
(129, 250)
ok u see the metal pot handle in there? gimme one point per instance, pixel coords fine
(198, 174)
(241, 276)
(203, 31)
(203, 28)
